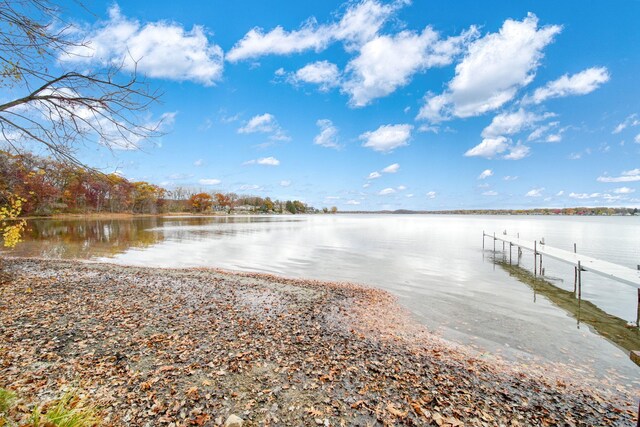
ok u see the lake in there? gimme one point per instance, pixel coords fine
(434, 264)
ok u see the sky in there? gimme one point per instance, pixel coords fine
(369, 105)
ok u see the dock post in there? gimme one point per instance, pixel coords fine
(638, 311)
(575, 273)
(579, 280)
(510, 244)
(494, 243)
(540, 269)
(535, 257)
(483, 240)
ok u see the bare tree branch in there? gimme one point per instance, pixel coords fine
(58, 110)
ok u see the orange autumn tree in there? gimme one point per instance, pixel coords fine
(201, 202)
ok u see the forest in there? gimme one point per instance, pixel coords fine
(50, 187)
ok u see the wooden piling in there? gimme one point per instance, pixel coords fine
(483, 240)
(541, 270)
(575, 273)
(494, 242)
(535, 258)
(638, 311)
(579, 280)
(510, 245)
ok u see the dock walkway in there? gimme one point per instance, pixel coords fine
(607, 269)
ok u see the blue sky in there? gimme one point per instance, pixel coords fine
(382, 105)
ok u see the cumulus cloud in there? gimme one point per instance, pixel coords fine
(328, 136)
(388, 62)
(500, 146)
(267, 161)
(285, 183)
(265, 123)
(493, 69)
(387, 137)
(393, 168)
(490, 193)
(360, 22)
(485, 174)
(580, 83)
(517, 152)
(512, 123)
(630, 121)
(157, 49)
(489, 147)
(386, 191)
(374, 175)
(322, 73)
(352, 202)
(510, 178)
(431, 195)
(209, 181)
(535, 192)
(198, 163)
(632, 175)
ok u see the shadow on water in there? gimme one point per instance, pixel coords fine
(610, 327)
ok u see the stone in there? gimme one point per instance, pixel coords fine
(233, 421)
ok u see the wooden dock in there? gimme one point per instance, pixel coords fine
(606, 269)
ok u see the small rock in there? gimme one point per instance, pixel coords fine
(233, 421)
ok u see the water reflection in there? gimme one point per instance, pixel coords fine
(611, 327)
(433, 263)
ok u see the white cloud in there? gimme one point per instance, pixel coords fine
(359, 23)
(431, 195)
(352, 202)
(198, 163)
(490, 193)
(498, 147)
(517, 152)
(366, 185)
(630, 121)
(267, 161)
(265, 123)
(510, 178)
(485, 174)
(158, 49)
(580, 83)
(285, 183)
(387, 137)
(489, 147)
(538, 133)
(386, 191)
(624, 190)
(512, 123)
(535, 192)
(637, 138)
(328, 136)
(391, 168)
(322, 73)
(556, 137)
(493, 69)
(401, 187)
(560, 193)
(388, 62)
(374, 175)
(626, 176)
(211, 181)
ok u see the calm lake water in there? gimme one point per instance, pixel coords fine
(433, 263)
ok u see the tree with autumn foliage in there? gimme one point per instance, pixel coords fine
(201, 202)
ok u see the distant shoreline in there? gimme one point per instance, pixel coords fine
(580, 211)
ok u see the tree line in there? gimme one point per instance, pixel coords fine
(47, 186)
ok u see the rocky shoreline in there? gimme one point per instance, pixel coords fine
(194, 346)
